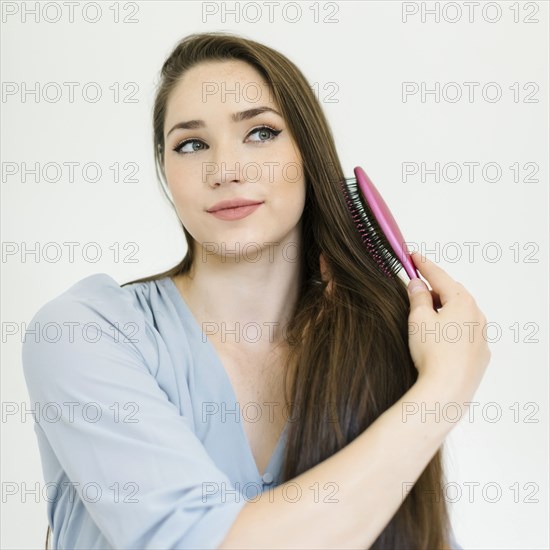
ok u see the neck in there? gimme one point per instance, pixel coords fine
(244, 299)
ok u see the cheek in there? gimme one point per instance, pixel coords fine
(181, 190)
(178, 180)
(170, 174)
(172, 168)
(290, 198)
(289, 173)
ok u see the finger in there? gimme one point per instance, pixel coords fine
(419, 294)
(443, 284)
(436, 299)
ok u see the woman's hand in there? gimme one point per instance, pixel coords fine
(447, 345)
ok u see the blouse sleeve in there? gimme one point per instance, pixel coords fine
(92, 353)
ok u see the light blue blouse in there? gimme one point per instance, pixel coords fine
(137, 422)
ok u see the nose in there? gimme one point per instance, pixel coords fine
(227, 166)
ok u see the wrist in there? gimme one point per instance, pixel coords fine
(432, 400)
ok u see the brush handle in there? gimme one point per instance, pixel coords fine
(386, 221)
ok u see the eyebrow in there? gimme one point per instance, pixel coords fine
(236, 117)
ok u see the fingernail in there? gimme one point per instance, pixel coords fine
(416, 285)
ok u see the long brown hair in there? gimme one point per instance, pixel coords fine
(349, 357)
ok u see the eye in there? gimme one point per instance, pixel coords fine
(179, 147)
(266, 130)
(271, 134)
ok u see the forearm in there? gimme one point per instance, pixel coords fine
(364, 480)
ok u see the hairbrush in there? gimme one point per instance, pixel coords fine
(376, 225)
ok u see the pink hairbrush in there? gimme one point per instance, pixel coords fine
(378, 228)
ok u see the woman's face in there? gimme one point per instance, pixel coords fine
(216, 158)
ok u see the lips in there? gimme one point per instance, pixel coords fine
(234, 213)
(232, 203)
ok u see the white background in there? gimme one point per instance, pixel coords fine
(365, 54)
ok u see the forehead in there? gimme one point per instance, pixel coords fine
(220, 83)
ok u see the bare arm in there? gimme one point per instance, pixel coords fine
(368, 474)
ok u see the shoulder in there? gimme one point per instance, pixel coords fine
(99, 293)
(94, 310)
(96, 288)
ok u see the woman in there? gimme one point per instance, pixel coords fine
(277, 306)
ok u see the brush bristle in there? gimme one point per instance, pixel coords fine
(371, 234)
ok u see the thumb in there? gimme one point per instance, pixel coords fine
(419, 294)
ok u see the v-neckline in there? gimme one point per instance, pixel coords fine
(180, 300)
